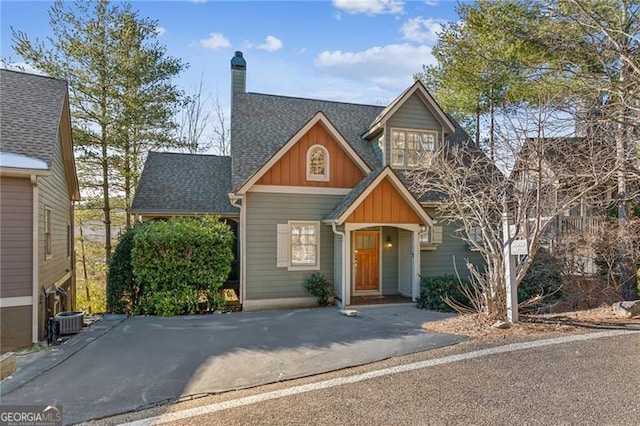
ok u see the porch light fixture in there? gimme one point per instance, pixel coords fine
(388, 243)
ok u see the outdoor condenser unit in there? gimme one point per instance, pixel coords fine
(70, 322)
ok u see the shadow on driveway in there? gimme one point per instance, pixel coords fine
(146, 360)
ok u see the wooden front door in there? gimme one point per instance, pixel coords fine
(366, 255)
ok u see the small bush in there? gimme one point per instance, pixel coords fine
(433, 291)
(544, 277)
(319, 287)
(179, 262)
(122, 289)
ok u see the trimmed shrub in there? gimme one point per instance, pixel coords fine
(433, 291)
(122, 289)
(544, 277)
(181, 263)
(319, 287)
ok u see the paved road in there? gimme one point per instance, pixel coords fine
(590, 382)
(146, 360)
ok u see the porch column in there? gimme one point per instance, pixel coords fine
(416, 265)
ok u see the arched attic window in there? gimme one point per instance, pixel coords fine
(318, 163)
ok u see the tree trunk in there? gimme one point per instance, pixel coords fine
(624, 140)
(105, 192)
(491, 130)
(84, 267)
(478, 126)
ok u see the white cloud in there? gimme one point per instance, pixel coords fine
(422, 30)
(271, 44)
(369, 7)
(160, 30)
(21, 66)
(431, 2)
(391, 66)
(215, 41)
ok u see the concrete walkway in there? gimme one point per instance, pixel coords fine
(142, 361)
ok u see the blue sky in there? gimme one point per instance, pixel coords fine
(344, 50)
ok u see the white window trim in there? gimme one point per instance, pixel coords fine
(434, 235)
(284, 246)
(405, 131)
(318, 178)
(48, 234)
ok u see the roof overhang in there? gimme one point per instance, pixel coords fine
(430, 102)
(20, 172)
(319, 117)
(167, 213)
(67, 150)
(387, 172)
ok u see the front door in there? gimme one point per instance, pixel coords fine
(366, 255)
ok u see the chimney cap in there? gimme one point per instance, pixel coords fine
(238, 62)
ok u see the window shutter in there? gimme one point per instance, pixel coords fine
(282, 253)
(437, 234)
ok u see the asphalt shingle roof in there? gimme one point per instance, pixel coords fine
(30, 110)
(185, 183)
(262, 124)
(354, 194)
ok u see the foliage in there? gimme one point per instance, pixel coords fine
(122, 98)
(543, 278)
(180, 261)
(90, 296)
(123, 290)
(434, 291)
(319, 287)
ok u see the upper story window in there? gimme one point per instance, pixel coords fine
(409, 147)
(318, 163)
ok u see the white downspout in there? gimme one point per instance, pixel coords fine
(35, 298)
(343, 295)
(233, 199)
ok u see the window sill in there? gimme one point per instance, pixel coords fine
(429, 247)
(317, 178)
(304, 268)
(48, 256)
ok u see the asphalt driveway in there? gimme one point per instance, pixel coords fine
(142, 361)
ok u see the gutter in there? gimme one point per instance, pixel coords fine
(343, 295)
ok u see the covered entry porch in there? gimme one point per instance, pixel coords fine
(377, 231)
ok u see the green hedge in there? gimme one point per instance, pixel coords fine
(434, 289)
(170, 267)
(181, 263)
(122, 289)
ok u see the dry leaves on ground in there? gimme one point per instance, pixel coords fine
(478, 326)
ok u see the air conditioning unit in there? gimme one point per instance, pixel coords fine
(70, 322)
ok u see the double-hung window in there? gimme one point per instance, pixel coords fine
(299, 245)
(410, 148)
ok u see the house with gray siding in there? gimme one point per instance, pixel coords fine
(318, 186)
(38, 188)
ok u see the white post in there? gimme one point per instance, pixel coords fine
(509, 272)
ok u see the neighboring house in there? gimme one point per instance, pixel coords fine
(318, 186)
(38, 186)
(557, 167)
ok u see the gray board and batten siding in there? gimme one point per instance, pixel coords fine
(264, 212)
